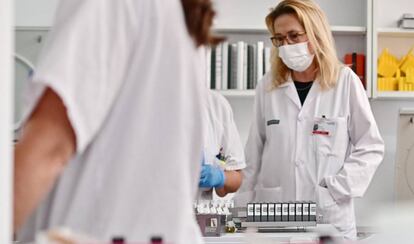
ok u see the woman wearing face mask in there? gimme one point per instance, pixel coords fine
(313, 137)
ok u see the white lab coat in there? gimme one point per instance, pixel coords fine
(128, 74)
(220, 135)
(287, 162)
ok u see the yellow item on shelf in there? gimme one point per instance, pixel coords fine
(408, 83)
(407, 61)
(394, 75)
(388, 84)
(387, 64)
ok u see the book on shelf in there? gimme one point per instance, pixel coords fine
(245, 78)
(218, 67)
(233, 74)
(237, 66)
(224, 66)
(208, 66)
(254, 67)
(240, 65)
(260, 50)
(213, 69)
(250, 70)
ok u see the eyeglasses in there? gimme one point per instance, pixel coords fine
(291, 37)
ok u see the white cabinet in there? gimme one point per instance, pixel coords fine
(386, 34)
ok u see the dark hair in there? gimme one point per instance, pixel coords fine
(199, 16)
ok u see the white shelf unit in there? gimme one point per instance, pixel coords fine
(256, 32)
(349, 38)
(351, 24)
(237, 93)
(395, 95)
(352, 30)
(395, 32)
(386, 34)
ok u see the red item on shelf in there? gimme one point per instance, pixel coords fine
(356, 62)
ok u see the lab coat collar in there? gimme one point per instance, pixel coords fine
(292, 93)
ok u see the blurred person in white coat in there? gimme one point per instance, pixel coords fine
(313, 136)
(223, 155)
(113, 122)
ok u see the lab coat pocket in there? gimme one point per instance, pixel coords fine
(330, 135)
(268, 194)
(324, 198)
(332, 212)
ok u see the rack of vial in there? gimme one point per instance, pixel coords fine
(212, 215)
(280, 215)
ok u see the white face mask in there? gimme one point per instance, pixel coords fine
(296, 56)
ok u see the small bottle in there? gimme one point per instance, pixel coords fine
(156, 240)
(118, 240)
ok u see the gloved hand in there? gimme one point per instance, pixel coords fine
(211, 176)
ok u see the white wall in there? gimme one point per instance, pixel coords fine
(35, 13)
(245, 13)
(6, 108)
(389, 12)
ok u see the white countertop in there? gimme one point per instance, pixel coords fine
(310, 234)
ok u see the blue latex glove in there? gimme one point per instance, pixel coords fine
(211, 176)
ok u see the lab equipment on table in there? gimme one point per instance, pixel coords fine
(213, 216)
(312, 235)
(280, 215)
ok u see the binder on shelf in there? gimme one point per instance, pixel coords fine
(213, 69)
(250, 71)
(236, 65)
(229, 63)
(254, 81)
(224, 66)
(245, 67)
(208, 66)
(233, 75)
(218, 67)
(260, 51)
(240, 65)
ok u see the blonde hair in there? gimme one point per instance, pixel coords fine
(317, 29)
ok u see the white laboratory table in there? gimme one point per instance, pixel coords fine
(309, 235)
